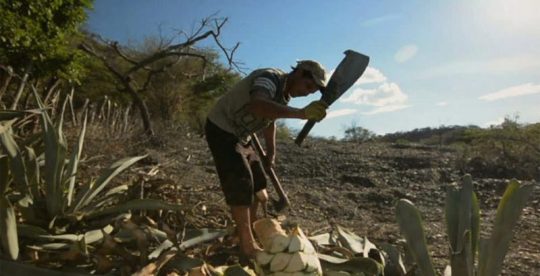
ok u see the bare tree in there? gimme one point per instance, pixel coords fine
(164, 57)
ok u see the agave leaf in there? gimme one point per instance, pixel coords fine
(30, 231)
(483, 247)
(136, 204)
(461, 259)
(19, 268)
(62, 237)
(452, 217)
(33, 173)
(153, 268)
(105, 178)
(323, 239)
(368, 247)
(157, 234)
(394, 262)
(185, 263)
(100, 204)
(195, 237)
(109, 198)
(508, 213)
(162, 247)
(4, 174)
(6, 126)
(17, 164)
(74, 162)
(98, 234)
(475, 226)
(350, 240)
(331, 258)
(410, 224)
(6, 115)
(55, 151)
(117, 190)
(8, 229)
(51, 246)
(31, 213)
(354, 266)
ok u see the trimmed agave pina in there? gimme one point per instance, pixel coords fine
(284, 254)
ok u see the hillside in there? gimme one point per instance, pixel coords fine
(351, 184)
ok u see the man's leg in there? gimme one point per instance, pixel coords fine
(259, 187)
(236, 182)
(241, 216)
(253, 211)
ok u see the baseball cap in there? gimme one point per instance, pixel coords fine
(315, 68)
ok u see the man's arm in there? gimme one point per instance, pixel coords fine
(261, 105)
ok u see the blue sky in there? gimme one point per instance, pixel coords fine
(432, 62)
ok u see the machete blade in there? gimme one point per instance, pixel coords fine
(346, 74)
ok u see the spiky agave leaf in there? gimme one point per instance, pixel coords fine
(74, 162)
(355, 266)
(133, 205)
(509, 210)
(4, 174)
(459, 221)
(16, 158)
(410, 224)
(55, 151)
(8, 228)
(91, 191)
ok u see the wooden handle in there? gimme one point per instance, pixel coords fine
(270, 171)
(304, 132)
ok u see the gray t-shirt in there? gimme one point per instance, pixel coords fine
(230, 112)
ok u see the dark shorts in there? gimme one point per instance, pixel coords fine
(238, 166)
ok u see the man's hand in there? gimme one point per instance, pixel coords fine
(316, 110)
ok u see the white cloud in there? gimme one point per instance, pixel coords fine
(340, 112)
(512, 64)
(371, 75)
(405, 53)
(441, 104)
(386, 97)
(385, 94)
(496, 122)
(514, 91)
(388, 108)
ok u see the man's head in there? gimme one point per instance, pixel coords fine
(307, 77)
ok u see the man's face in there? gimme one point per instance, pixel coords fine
(302, 85)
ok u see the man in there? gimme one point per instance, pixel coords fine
(253, 105)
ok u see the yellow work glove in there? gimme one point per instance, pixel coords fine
(315, 110)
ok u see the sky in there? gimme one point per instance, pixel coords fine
(432, 63)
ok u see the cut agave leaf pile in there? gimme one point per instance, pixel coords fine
(284, 254)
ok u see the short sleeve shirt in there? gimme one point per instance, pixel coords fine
(230, 112)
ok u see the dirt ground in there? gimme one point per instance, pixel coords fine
(354, 185)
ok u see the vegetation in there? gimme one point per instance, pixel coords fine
(36, 37)
(508, 150)
(463, 223)
(358, 134)
(52, 215)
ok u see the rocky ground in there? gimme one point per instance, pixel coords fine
(351, 184)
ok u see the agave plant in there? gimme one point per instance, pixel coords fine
(463, 220)
(41, 183)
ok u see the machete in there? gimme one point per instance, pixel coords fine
(348, 71)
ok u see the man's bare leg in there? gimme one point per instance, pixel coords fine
(241, 216)
(253, 211)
